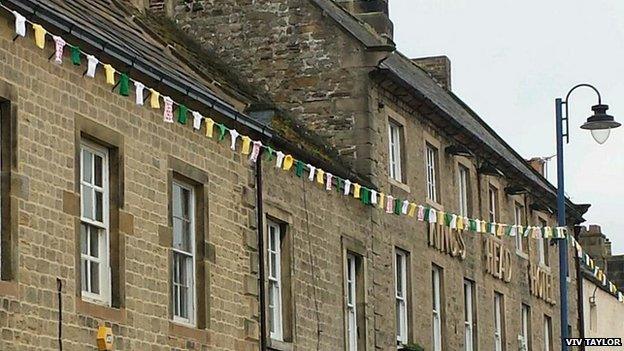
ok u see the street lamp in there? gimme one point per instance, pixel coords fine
(600, 125)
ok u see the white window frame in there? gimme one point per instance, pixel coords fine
(493, 203)
(189, 261)
(463, 175)
(394, 151)
(103, 258)
(518, 215)
(547, 333)
(525, 320)
(400, 290)
(431, 168)
(469, 315)
(351, 302)
(498, 321)
(436, 320)
(274, 252)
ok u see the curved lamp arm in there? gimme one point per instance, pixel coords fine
(565, 102)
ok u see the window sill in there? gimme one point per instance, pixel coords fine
(117, 315)
(398, 184)
(436, 206)
(186, 331)
(522, 254)
(280, 345)
(9, 288)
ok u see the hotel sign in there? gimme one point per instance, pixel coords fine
(497, 259)
(541, 283)
(447, 240)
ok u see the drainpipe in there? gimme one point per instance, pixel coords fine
(261, 268)
(579, 290)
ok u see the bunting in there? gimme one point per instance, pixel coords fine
(253, 148)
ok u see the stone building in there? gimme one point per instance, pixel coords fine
(318, 79)
(601, 308)
(598, 246)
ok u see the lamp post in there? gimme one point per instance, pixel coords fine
(600, 125)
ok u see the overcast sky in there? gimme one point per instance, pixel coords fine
(511, 59)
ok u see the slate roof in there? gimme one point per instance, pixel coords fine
(450, 106)
(158, 54)
(454, 109)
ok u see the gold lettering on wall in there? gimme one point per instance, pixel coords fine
(447, 240)
(497, 259)
(541, 283)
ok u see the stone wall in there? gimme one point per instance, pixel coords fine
(308, 65)
(50, 102)
(412, 236)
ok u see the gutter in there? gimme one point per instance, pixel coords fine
(143, 67)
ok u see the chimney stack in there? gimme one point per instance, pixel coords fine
(439, 67)
(374, 12)
(538, 164)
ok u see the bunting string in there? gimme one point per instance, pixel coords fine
(369, 197)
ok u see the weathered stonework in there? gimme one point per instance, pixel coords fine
(321, 74)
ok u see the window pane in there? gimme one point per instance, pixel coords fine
(273, 265)
(83, 238)
(94, 242)
(98, 206)
(95, 277)
(87, 202)
(87, 165)
(84, 267)
(184, 302)
(177, 198)
(186, 195)
(98, 170)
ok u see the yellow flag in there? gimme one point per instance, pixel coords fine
(110, 74)
(320, 176)
(288, 162)
(246, 145)
(356, 190)
(412, 210)
(154, 99)
(381, 200)
(209, 127)
(40, 33)
(460, 223)
(440, 218)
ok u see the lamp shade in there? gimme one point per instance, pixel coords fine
(600, 123)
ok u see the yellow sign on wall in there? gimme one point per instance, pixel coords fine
(105, 338)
